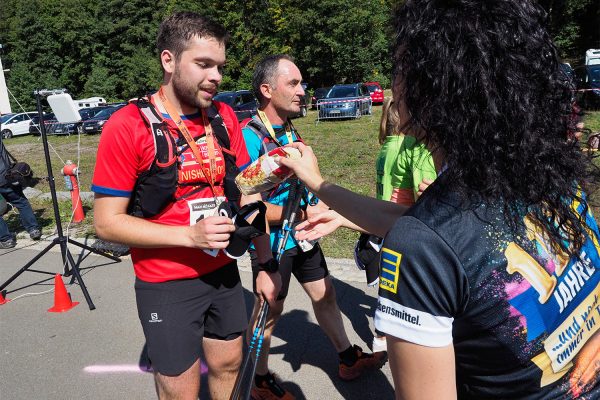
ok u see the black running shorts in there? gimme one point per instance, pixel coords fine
(176, 315)
(307, 267)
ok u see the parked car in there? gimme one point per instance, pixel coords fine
(34, 126)
(53, 127)
(87, 113)
(587, 80)
(16, 124)
(376, 92)
(61, 128)
(95, 124)
(318, 94)
(346, 101)
(243, 102)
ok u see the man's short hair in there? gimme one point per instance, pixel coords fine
(179, 28)
(266, 72)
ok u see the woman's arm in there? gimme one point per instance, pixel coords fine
(422, 372)
(368, 214)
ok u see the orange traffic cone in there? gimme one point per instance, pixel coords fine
(62, 299)
(3, 300)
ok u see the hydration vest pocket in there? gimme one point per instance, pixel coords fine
(154, 190)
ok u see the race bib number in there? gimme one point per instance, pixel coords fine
(204, 208)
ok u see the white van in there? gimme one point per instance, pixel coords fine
(90, 102)
(16, 124)
(592, 57)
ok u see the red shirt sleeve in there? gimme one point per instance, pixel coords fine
(125, 149)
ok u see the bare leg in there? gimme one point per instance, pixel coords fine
(275, 311)
(185, 386)
(223, 358)
(323, 297)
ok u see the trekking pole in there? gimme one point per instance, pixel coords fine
(294, 198)
(256, 335)
(262, 322)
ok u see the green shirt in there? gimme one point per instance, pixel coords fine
(402, 163)
(385, 162)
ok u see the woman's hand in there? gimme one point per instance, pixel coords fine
(319, 225)
(306, 168)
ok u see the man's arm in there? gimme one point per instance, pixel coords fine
(112, 222)
(422, 372)
(268, 284)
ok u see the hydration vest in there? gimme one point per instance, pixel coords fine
(268, 144)
(155, 188)
(260, 130)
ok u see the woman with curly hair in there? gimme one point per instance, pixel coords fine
(490, 283)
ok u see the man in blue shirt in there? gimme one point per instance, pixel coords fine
(277, 86)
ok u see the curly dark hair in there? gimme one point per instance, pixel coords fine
(481, 83)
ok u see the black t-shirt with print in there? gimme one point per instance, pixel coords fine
(517, 312)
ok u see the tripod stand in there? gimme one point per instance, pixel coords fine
(71, 267)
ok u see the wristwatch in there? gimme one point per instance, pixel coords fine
(270, 266)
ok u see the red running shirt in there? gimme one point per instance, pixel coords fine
(126, 149)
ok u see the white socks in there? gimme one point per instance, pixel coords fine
(379, 344)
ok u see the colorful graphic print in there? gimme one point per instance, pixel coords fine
(557, 297)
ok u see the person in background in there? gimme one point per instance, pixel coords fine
(277, 86)
(489, 284)
(402, 164)
(15, 196)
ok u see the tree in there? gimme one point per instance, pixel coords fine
(108, 48)
(574, 26)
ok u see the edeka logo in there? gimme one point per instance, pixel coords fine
(390, 270)
(154, 318)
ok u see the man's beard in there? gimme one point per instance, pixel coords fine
(189, 94)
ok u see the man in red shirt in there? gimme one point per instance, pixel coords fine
(188, 291)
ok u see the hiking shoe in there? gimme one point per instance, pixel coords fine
(269, 389)
(8, 243)
(365, 362)
(35, 234)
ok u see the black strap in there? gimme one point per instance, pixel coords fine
(10, 156)
(218, 127)
(259, 129)
(164, 144)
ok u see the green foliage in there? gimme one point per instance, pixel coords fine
(108, 48)
(574, 26)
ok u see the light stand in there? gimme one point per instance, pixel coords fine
(61, 239)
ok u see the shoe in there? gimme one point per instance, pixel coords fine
(35, 234)
(365, 362)
(8, 243)
(270, 390)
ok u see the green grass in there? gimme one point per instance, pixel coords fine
(592, 120)
(346, 151)
(62, 148)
